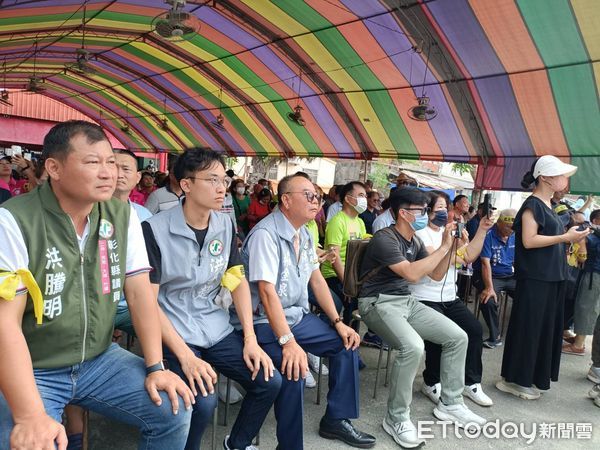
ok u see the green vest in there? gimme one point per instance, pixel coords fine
(80, 290)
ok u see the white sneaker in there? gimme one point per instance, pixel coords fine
(594, 375)
(404, 433)
(309, 381)
(526, 393)
(235, 395)
(594, 392)
(227, 447)
(459, 414)
(313, 363)
(475, 393)
(432, 392)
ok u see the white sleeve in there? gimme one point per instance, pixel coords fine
(426, 237)
(263, 261)
(137, 257)
(13, 252)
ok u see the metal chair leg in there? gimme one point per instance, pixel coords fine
(227, 395)
(86, 429)
(504, 307)
(387, 367)
(214, 427)
(319, 380)
(377, 372)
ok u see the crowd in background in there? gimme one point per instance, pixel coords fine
(544, 256)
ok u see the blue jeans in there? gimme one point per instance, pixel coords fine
(112, 384)
(315, 337)
(227, 358)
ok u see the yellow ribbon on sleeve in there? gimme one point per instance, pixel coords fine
(461, 253)
(8, 289)
(232, 277)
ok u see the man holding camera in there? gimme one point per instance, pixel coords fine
(394, 258)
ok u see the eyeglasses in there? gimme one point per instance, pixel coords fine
(422, 211)
(310, 196)
(215, 181)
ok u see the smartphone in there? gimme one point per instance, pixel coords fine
(27, 156)
(487, 206)
(460, 226)
(8, 152)
(16, 150)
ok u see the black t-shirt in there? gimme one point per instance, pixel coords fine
(4, 195)
(154, 255)
(386, 249)
(546, 263)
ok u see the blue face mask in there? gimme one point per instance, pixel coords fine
(420, 222)
(441, 218)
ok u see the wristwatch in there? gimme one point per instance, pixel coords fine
(155, 367)
(285, 339)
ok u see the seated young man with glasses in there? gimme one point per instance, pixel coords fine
(280, 261)
(193, 251)
(394, 258)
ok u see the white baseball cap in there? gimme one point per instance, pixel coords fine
(551, 166)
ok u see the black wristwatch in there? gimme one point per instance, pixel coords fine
(156, 367)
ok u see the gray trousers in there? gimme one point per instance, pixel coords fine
(403, 323)
(587, 304)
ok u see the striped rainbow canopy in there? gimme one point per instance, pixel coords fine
(509, 80)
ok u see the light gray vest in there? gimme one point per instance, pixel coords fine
(191, 277)
(292, 276)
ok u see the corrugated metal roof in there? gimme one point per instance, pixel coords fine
(37, 106)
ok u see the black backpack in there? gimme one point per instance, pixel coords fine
(355, 250)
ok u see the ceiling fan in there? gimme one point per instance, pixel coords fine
(422, 111)
(175, 25)
(219, 122)
(296, 116)
(4, 95)
(82, 63)
(35, 83)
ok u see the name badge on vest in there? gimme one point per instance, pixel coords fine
(110, 269)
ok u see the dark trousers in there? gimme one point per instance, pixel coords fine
(458, 312)
(533, 341)
(490, 309)
(315, 337)
(572, 284)
(227, 357)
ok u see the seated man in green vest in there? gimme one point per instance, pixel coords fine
(66, 252)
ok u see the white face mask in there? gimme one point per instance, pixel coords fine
(361, 205)
(240, 190)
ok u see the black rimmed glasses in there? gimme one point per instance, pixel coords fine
(215, 181)
(422, 211)
(310, 196)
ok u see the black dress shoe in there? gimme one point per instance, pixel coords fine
(344, 431)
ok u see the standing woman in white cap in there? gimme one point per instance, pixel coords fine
(534, 336)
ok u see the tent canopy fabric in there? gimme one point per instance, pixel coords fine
(510, 79)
